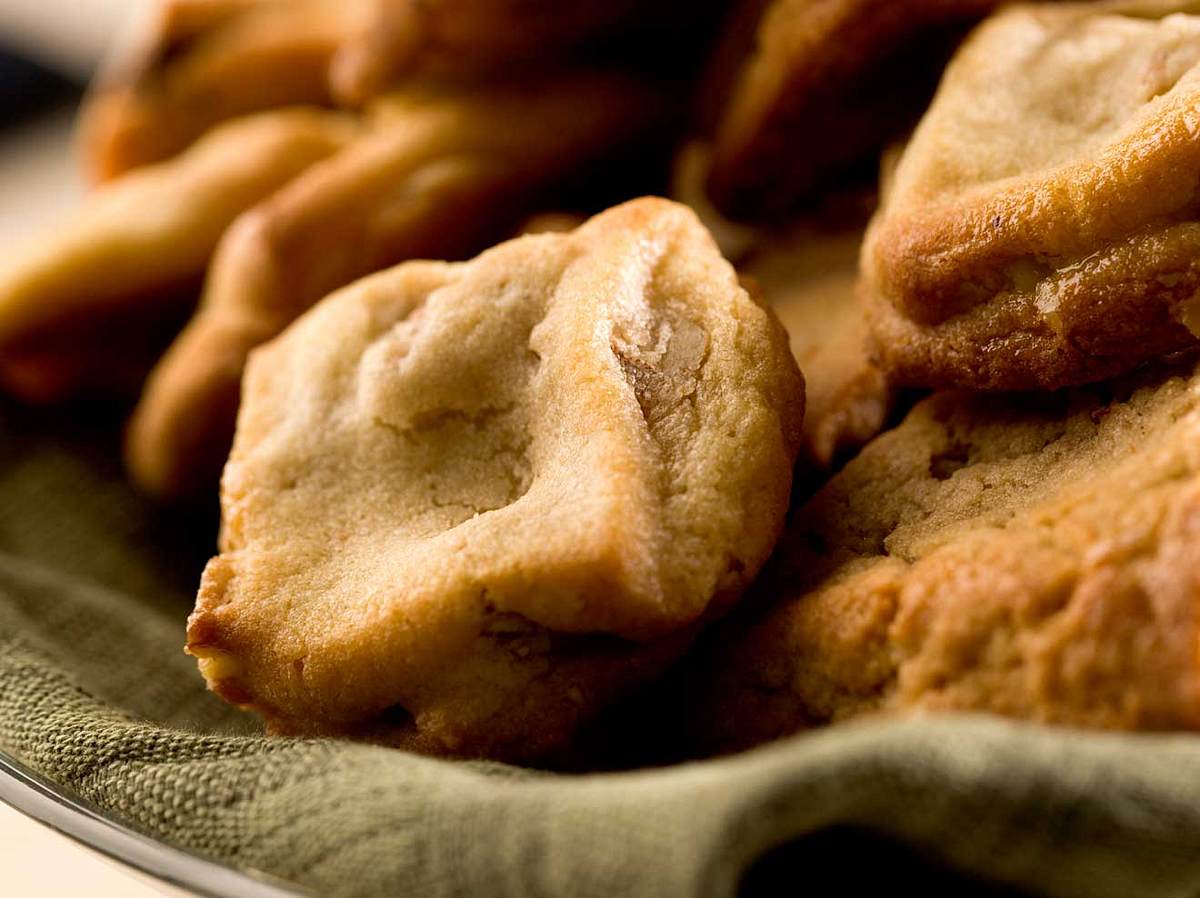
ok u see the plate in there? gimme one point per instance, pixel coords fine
(37, 797)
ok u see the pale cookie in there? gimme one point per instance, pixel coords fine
(808, 274)
(1040, 229)
(442, 174)
(470, 505)
(135, 252)
(1031, 556)
(191, 64)
(827, 85)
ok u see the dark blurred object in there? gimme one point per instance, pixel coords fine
(26, 88)
(826, 87)
(856, 861)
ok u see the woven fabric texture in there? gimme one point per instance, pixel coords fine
(96, 695)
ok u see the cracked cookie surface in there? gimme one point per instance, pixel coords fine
(440, 173)
(469, 505)
(1041, 228)
(1030, 556)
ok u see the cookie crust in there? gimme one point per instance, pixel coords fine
(1048, 236)
(439, 173)
(127, 267)
(1034, 557)
(485, 499)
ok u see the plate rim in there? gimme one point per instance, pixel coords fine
(43, 800)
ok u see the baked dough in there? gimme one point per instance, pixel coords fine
(442, 174)
(828, 84)
(191, 64)
(471, 504)
(137, 249)
(467, 38)
(1031, 556)
(1040, 229)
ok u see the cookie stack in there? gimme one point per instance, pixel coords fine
(1034, 554)
(473, 507)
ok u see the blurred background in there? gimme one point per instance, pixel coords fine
(48, 49)
(67, 36)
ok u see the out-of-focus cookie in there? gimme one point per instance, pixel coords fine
(190, 64)
(828, 84)
(1039, 229)
(1035, 556)
(689, 174)
(809, 278)
(134, 254)
(443, 174)
(396, 38)
(471, 504)
(550, 223)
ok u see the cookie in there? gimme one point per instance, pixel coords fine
(135, 252)
(1039, 229)
(469, 505)
(809, 278)
(191, 64)
(827, 85)
(1033, 556)
(465, 38)
(442, 174)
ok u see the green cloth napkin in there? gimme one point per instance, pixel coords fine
(96, 695)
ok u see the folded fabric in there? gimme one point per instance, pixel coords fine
(96, 695)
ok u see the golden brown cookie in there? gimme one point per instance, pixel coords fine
(809, 278)
(1040, 228)
(443, 174)
(134, 254)
(1035, 556)
(191, 64)
(471, 504)
(827, 85)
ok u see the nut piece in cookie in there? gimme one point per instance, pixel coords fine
(807, 274)
(829, 83)
(470, 505)
(191, 64)
(1041, 228)
(809, 279)
(127, 266)
(442, 174)
(1030, 556)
